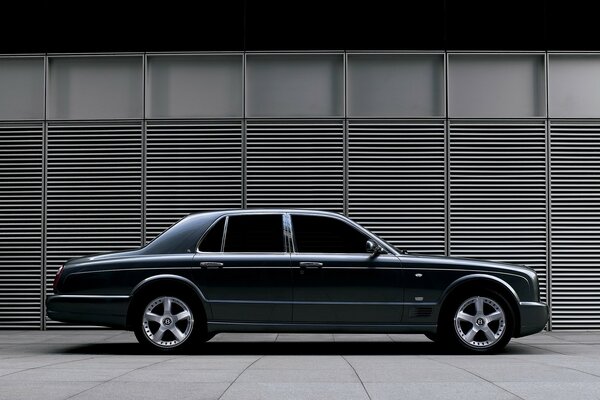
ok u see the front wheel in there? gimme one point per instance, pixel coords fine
(480, 323)
(167, 323)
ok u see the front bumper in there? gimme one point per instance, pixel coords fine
(103, 310)
(534, 317)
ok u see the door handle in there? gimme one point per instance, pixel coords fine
(211, 264)
(311, 264)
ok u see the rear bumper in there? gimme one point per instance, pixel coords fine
(534, 317)
(104, 310)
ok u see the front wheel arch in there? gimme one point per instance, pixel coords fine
(470, 284)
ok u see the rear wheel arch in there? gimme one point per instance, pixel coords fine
(160, 284)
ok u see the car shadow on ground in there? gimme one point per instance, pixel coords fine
(294, 348)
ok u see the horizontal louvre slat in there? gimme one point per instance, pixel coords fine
(21, 175)
(396, 181)
(94, 191)
(497, 192)
(191, 167)
(575, 169)
(295, 164)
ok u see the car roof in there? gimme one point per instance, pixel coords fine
(266, 211)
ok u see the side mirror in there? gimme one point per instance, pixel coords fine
(373, 248)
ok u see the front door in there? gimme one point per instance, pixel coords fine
(246, 277)
(336, 281)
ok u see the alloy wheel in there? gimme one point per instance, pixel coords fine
(167, 321)
(480, 322)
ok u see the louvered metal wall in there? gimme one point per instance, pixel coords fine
(497, 192)
(191, 167)
(94, 190)
(295, 164)
(21, 179)
(522, 191)
(575, 235)
(396, 181)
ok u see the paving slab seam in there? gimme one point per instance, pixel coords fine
(542, 348)
(118, 376)
(554, 366)
(478, 376)
(558, 337)
(240, 374)
(358, 376)
(46, 365)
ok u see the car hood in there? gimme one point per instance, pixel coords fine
(427, 261)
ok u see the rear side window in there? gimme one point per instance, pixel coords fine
(214, 238)
(316, 234)
(255, 233)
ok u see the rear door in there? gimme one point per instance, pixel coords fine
(243, 269)
(336, 281)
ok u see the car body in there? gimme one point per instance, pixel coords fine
(294, 271)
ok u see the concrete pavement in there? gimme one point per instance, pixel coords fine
(107, 364)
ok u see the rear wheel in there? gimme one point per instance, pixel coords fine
(168, 323)
(480, 322)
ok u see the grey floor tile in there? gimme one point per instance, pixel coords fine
(168, 375)
(301, 362)
(50, 374)
(554, 390)
(17, 390)
(153, 390)
(437, 391)
(296, 391)
(309, 376)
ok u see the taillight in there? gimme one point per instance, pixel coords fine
(57, 277)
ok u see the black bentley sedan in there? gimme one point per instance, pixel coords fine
(294, 271)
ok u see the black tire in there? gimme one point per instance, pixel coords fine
(477, 321)
(163, 334)
(433, 337)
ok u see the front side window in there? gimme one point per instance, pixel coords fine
(255, 233)
(316, 234)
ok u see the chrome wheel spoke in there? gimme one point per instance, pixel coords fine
(182, 315)
(479, 305)
(489, 334)
(150, 316)
(471, 334)
(463, 316)
(160, 333)
(167, 305)
(177, 333)
(495, 316)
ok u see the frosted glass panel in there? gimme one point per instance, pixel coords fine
(21, 88)
(95, 87)
(194, 86)
(574, 85)
(396, 85)
(294, 85)
(496, 85)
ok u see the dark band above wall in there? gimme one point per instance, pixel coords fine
(116, 26)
